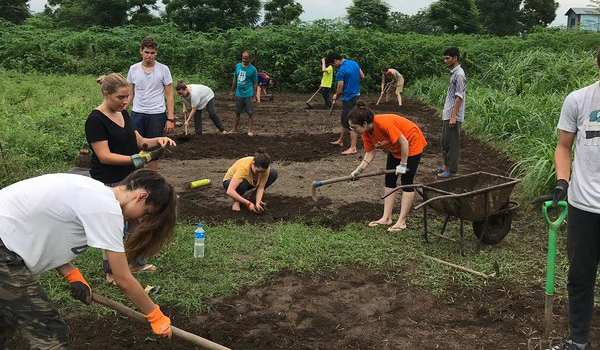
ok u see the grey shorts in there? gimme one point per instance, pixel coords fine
(346, 108)
(244, 104)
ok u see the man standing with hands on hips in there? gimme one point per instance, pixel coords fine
(151, 82)
(453, 115)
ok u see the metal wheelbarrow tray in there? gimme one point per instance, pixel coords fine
(480, 197)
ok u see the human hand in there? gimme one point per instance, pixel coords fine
(251, 206)
(169, 126)
(452, 122)
(166, 141)
(401, 169)
(356, 172)
(559, 193)
(80, 289)
(261, 206)
(161, 324)
(138, 160)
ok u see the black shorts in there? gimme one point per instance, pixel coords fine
(346, 108)
(244, 104)
(406, 179)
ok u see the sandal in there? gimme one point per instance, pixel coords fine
(445, 175)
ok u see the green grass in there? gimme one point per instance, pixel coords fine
(239, 257)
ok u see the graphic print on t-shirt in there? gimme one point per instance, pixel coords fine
(592, 129)
(242, 76)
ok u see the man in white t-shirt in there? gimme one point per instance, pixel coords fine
(580, 124)
(151, 82)
(198, 97)
(47, 221)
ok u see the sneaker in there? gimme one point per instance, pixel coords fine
(438, 170)
(569, 345)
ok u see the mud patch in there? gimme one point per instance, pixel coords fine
(195, 206)
(292, 147)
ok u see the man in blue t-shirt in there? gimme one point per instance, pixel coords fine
(348, 87)
(245, 80)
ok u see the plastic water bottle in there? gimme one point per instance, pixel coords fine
(199, 242)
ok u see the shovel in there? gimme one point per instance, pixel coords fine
(192, 338)
(317, 184)
(313, 96)
(547, 342)
(385, 89)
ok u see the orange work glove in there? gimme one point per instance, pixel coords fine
(161, 324)
(80, 289)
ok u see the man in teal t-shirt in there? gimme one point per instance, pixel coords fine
(245, 80)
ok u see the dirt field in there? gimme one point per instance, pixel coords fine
(347, 309)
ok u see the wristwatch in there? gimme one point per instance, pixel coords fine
(171, 120)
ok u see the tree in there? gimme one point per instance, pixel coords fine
(500, 17)
(456, 16)
(87, 13)
(538, 13)
(418, 23)
(140, 12)
(368, 14)
(205, 15)
(15, 11)
(281, 12)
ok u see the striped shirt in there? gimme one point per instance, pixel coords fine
(457, 87)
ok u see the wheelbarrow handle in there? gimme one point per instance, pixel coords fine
(137, 316)
(317, 184)
(438, 197)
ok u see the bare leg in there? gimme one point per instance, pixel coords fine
(399, 99)
(406, 202)
(340, 140)
(388, 208)
(250, 124)
(257, 97)
(236, 122)
(353, 141)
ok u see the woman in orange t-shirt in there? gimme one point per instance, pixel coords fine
(404, 142)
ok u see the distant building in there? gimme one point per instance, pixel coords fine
(585, 18)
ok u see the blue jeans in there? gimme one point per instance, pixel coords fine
(149, 125)
(244, 186)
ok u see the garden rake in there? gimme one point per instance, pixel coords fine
(547, 341)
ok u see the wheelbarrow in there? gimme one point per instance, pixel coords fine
(481, 197)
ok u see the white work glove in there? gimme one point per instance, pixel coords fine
(401, 169)
(356, 172)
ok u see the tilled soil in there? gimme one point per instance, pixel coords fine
(346, 309)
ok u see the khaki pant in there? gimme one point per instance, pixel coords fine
(25, 307)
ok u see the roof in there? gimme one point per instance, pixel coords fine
(583, 11)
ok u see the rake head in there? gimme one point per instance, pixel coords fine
(551, 343)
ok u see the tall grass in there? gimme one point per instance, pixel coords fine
(515, 104)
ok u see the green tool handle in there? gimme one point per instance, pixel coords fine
(552, 238)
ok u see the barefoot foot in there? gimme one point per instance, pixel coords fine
(235, 206)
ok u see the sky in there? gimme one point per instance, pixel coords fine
(317, 9)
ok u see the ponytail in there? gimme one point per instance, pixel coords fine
(361, 114)
(261, 159)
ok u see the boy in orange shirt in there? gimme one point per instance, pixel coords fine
(404, 142)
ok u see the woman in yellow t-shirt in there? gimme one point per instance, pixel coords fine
(249, 173)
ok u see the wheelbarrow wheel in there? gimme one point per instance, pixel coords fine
(497, 228)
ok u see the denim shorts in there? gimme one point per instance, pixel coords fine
(149, 125)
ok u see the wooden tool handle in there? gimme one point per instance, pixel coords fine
(349, 177)
(192, 338)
